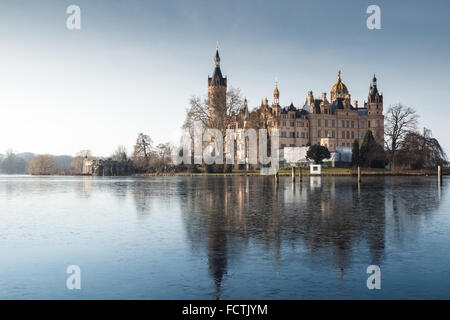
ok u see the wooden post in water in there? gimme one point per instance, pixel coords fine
(300, 174)
(359, 174)
(293, 174)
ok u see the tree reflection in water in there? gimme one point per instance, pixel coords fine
(331, 217)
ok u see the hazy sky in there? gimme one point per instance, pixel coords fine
(134, 64)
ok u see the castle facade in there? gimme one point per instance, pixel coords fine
(331, 123)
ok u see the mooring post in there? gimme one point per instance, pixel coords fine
(300, 174)
(276, 177)
(359, 174)
(439, 174)
(293, 174)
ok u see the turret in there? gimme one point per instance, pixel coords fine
(276, 95)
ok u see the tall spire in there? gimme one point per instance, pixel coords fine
(217, 57)
(374, 95)
(217, 79)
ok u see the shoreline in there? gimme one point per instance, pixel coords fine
(348, 172)
(326, 172)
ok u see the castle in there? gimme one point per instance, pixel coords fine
(331, 123)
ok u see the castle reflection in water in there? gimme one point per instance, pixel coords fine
(330, 217)
(234, 237)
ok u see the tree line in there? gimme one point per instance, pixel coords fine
(405, 147)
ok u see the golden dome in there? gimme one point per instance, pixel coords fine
(339, 87)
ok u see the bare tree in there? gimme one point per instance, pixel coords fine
(399, 121)
(419, 150)
(143, 146)
(43, 164)
(120, 154)
(12, 164)
(199, 111)
(143, 150)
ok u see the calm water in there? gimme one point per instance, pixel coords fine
(222, 237)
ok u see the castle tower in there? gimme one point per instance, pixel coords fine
(217, 91)
(374, 103)
(375, 117)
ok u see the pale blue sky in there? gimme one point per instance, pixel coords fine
(134, 64)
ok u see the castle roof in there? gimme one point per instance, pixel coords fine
(217, 79)
(337, 104)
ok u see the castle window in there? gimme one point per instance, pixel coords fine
(284, 116)
(318, 122)
(348, 124)
(363, 124)
(348, 134)
(303, 134)
(283, 133)
(298, 134)
(319, 134)
(332, 134)
(362, 134)
(343, 134)
(353, 134)
(326, 134)
(326, 123)
(343, 124)
(353, 124)
(332, 123)
(284, 123)
(291, 134)
(292, 124)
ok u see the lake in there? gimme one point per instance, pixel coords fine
(224, 237)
